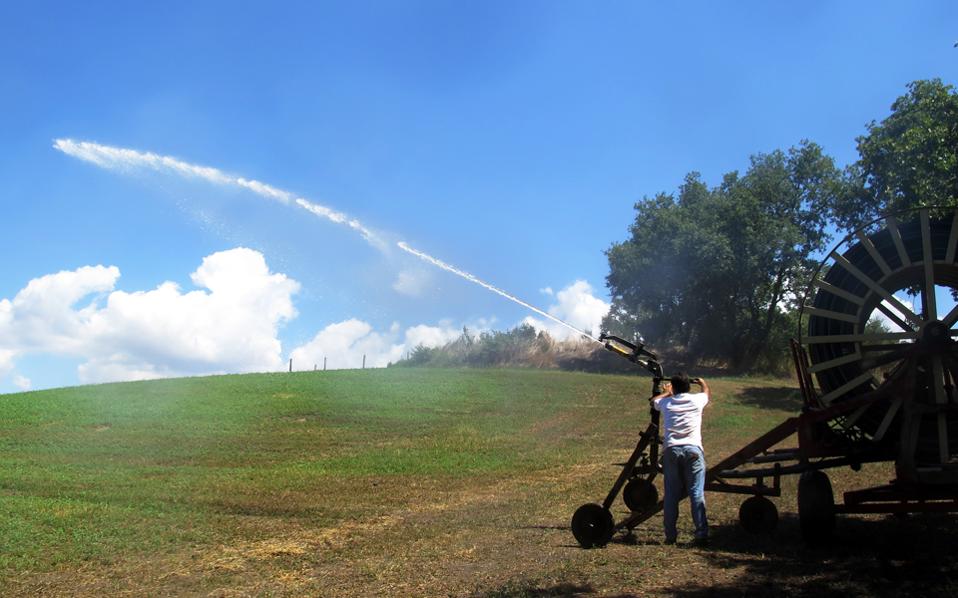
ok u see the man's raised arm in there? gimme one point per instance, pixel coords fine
(705, 386)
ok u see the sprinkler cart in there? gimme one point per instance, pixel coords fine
(868, 396)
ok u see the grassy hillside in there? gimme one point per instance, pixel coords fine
(395, 482)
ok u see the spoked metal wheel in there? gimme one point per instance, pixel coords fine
(901, 270)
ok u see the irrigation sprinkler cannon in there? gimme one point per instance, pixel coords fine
(869, 394)
(593, 524)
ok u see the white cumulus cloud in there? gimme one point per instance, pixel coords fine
(577, 305)
(22, 382)
(42, 315)
(228, 324)
(344, 344)
(6, 360)
(432, 336)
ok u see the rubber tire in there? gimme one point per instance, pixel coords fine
(640, 495)
(816, 507)
(592, 526)
(758, 515)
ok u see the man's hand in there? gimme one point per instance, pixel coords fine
(705, 387)
(666, 392)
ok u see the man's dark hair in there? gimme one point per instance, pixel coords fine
(680, 383)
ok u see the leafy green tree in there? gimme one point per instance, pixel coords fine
(514, 347)
(910, 159)
(421, 355)
(717, 271)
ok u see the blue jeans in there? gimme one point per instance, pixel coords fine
(684, 469)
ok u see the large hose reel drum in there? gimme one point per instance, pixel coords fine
(904, 268)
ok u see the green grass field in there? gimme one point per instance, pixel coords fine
(400, 482)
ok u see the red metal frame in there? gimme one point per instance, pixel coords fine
(819, 447)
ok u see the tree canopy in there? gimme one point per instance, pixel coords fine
(716, 271)
(910, 159)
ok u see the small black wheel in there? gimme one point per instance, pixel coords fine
(592, 526)
(758, 515)
(640, 495)
(816, 507)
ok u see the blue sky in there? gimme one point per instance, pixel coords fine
(510, 139)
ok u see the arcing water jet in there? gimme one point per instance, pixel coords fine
(124, 159)
(449, 268)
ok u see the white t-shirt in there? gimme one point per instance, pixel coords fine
(683, 418)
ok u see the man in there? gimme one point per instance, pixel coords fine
(683, 460)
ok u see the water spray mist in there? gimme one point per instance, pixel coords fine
(441, 264)
(118, 158)
(124, 159)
